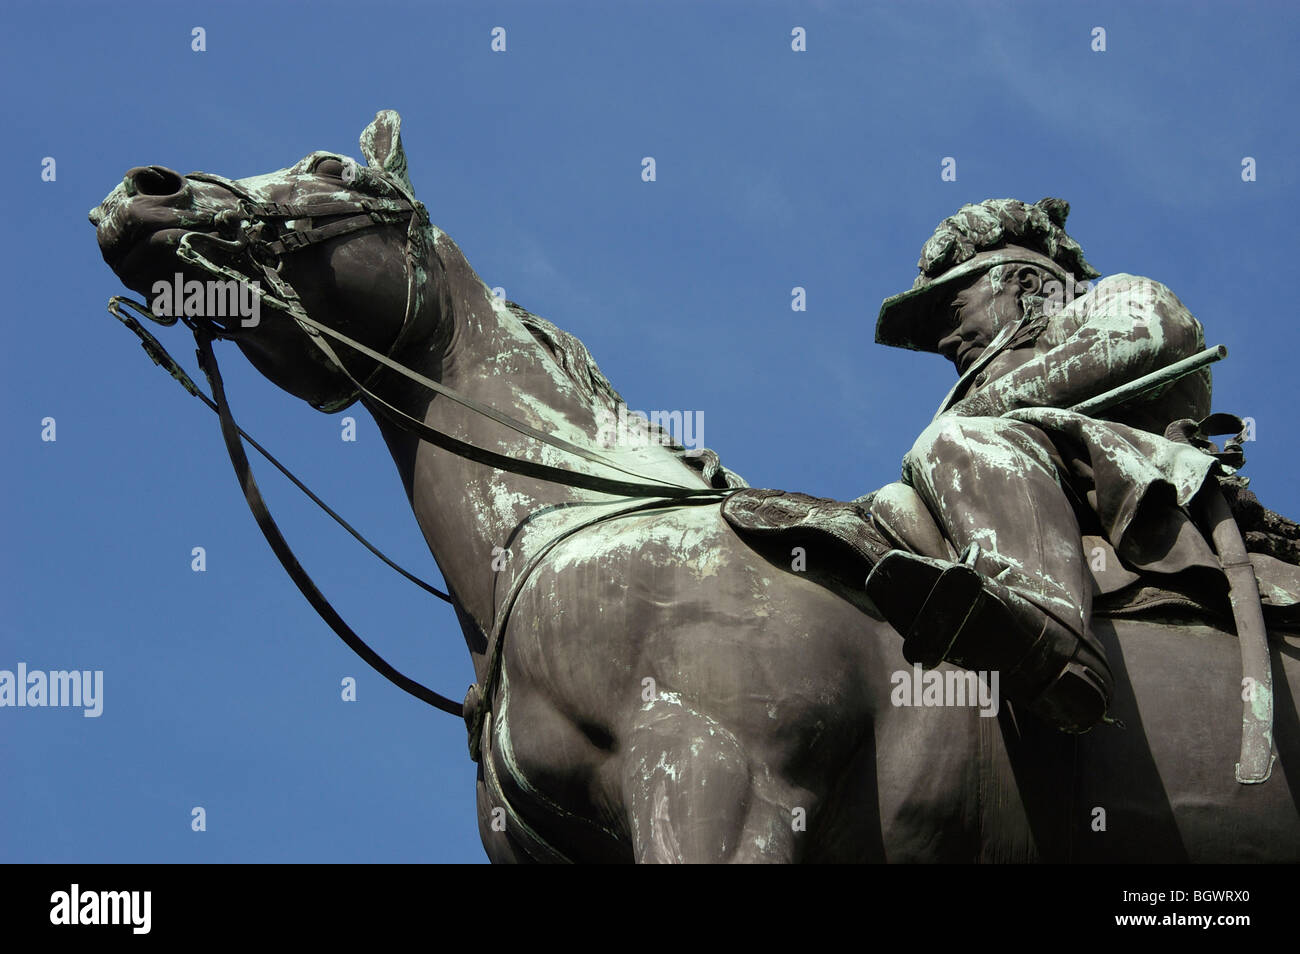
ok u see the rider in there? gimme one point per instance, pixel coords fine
(990, 571)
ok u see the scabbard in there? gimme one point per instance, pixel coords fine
(1255, 763)
(1149, 382)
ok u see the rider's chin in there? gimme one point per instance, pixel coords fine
(968, 355)
(948, 347)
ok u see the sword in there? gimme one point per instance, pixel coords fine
(1255, 763)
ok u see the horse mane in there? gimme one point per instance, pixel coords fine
(573, 358)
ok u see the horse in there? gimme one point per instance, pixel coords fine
(654, 686)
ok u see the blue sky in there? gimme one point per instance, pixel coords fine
(775, 169)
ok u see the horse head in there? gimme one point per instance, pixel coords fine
(346, 244)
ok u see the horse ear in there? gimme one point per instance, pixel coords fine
(381, 144)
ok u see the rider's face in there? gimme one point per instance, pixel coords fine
(977, 311)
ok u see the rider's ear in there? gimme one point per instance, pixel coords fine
(381, 144)
(1029, 281)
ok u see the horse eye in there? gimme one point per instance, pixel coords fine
(329, 167)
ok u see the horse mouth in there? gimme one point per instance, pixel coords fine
(141, 257)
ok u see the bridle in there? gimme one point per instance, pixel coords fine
(252, 219)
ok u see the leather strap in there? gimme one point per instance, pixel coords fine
(234, 447)
(496, 641)
(292, 210)
(623, 488)
(298, 239)
(153, 347)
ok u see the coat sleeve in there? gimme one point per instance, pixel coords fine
(1125, 327)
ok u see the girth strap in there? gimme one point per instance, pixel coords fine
(524, 836)
(481, 695)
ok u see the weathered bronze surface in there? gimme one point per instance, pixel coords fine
(657, 681)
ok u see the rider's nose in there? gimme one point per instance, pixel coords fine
(949, 345)
(153, 180)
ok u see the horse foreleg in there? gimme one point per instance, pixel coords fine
(691, 795)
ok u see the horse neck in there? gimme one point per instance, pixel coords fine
(481, 523)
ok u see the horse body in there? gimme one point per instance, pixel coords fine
(668, 691)
(774, 696)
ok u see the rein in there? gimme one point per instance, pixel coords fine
(267, 524)
(250, 217)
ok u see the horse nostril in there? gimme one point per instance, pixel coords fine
(153, 180)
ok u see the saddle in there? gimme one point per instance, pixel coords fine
(840, 540)
(842, 535)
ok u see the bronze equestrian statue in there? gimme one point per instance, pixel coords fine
(654, 679)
